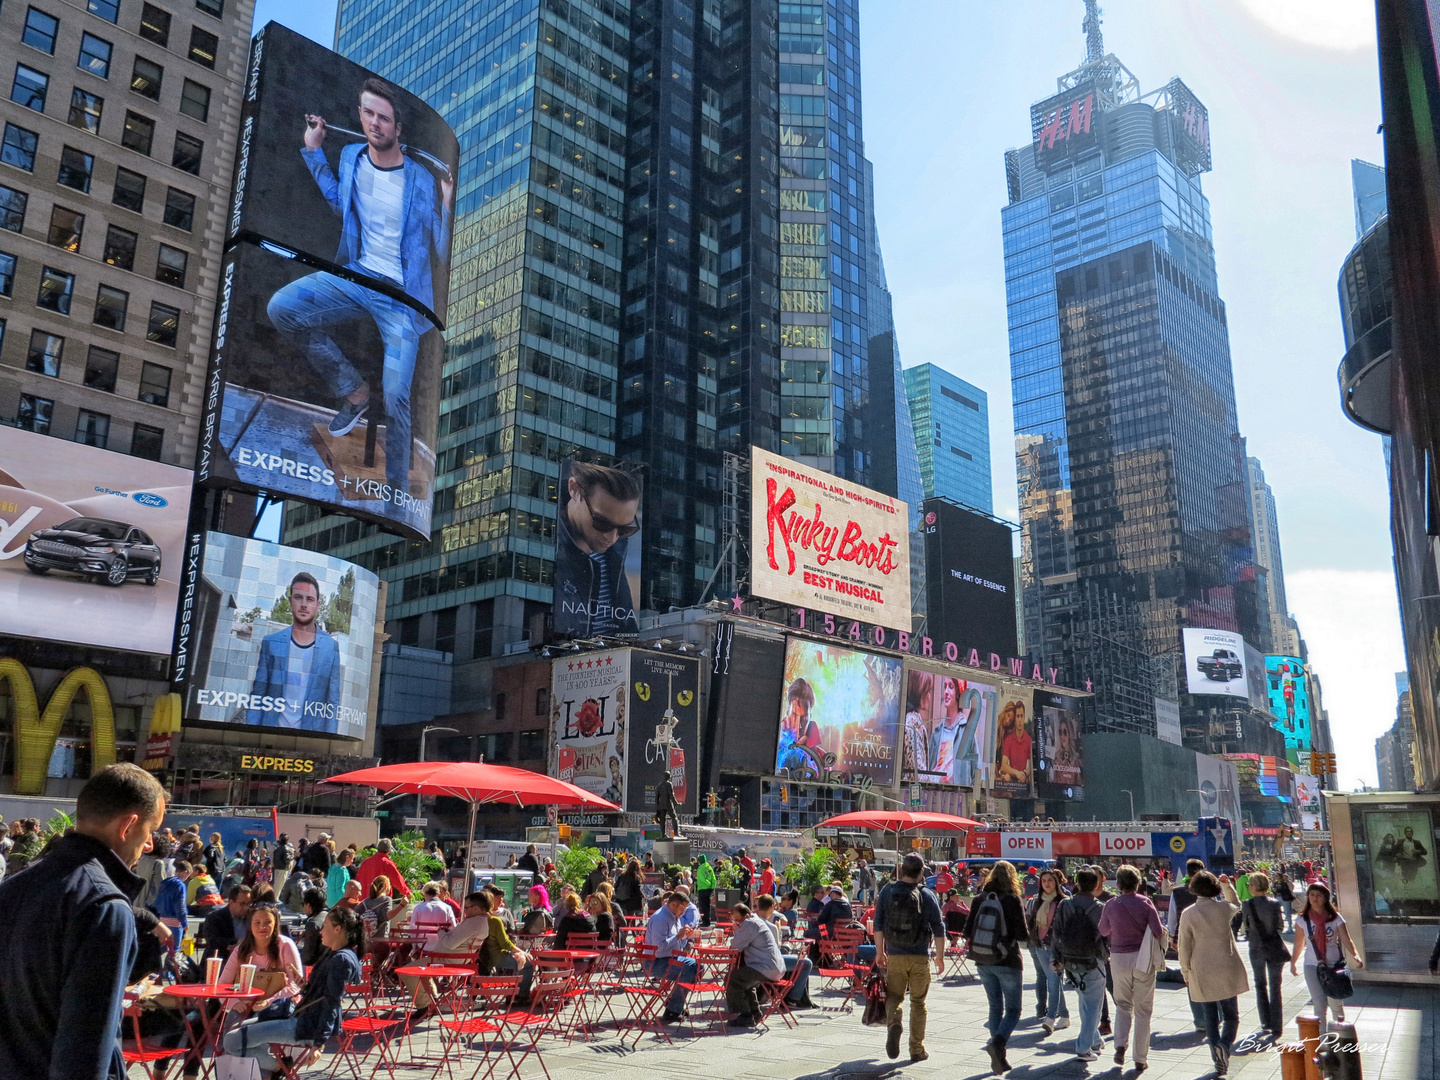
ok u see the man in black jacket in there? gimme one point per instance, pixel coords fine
(224, 928)
(317, 855)
(71, 944)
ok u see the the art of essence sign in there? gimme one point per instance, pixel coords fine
(823, 543)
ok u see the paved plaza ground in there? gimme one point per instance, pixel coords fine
(1401, 1024)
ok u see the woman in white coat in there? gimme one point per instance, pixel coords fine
(1211, 963)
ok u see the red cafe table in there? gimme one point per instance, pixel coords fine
(212, 1028)
(585, 960)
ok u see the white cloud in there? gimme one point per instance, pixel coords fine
(1325, 24)
(1350, 620)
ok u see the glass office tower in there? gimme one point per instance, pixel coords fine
(951, 419)
(662, 255)
(1131, 469)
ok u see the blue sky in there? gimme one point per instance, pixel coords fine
(1291, 86)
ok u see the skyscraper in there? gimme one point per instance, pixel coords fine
(663, 256)
(1131, 468)
(1265, 525)
(951, 419)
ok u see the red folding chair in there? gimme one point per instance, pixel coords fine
(777, 990)
(648, 1000)
(380, 1029)
(139, 1053)
(524, 1028)
(838, 952)
(706, 1001)
(488, 997)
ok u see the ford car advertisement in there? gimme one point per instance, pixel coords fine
(279, 637)
(90, 543)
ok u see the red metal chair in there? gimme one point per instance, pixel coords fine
(706, 1001)
(488, 998)
(648, 999)
(139, 1053)
(524, 1028)
(838, 952)
(776, 991)
(381, 1030)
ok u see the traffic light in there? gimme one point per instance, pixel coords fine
(784, 794)
(564, 831)
(1322, 763)
(711, 802)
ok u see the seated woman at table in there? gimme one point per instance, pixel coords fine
(599, 908)
(381, 904)
(535, 919)
(317, 1016)
(573, 921)
(279, 969)
(499, 952)
(498, 908)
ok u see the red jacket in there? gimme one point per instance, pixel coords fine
(376, 865)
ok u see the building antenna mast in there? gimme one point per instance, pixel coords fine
(1094, 40)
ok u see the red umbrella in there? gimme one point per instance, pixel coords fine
(476, 783)
(900, 820)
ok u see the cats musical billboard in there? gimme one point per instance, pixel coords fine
(820, 542)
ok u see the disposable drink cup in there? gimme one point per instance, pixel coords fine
(247, 977)
(212, 970)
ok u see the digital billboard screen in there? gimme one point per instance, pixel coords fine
(826, 544)
(1289, 691)
(664, 727)
(1060, 758)
(597, 550)
(948, 727)
(281, 638)
(970, 579)
(91, 543)
(1065, 126)
(1215, 663)
(589, 693)
(839, 714)
(333, 291)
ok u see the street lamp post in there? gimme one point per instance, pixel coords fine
(1125, 791)
(423, 732)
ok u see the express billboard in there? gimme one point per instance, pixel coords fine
(949, 723)
(1060, 760)
(597, 550)
(281, 638)
(664, 730)
(822, 543)
(333, 290)
(588, 697)
(1289, 693)
(839, 714)
(970, 579)
(91, 543)
(1215, 662)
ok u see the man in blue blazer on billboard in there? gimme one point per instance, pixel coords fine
(299, 668)
(392, 226)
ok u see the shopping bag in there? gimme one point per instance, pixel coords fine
(874, 1014)
(230, 1067)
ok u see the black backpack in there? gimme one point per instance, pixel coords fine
(987, 943)
(905, 922)
(1078, 939)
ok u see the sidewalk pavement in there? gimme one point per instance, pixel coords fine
(1398, 1027)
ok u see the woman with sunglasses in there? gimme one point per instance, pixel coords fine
(279, 971)
(317, 1016)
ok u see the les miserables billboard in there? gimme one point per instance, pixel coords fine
(826, 544)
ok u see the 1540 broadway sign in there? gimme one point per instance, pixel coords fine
(820, 542)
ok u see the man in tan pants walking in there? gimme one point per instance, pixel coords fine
(907, 923)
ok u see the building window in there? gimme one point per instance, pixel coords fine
(146, 442)
(29, 88)
(19, 148)
(179, 209)
(155, 384)
(66, 228)
(76, 169)
(106, 9)
(542, 701)
(120, 247)
(155, 25)
(211, 7)
(40, 31)
(34, 413)
(129, 190)
(500, 706)
(101, 369)
(532, 745)
(146, 77)
(139, 133)
(170, 266)
(94, 55)
(12, 208)
(110, 305)
(45, 353)
(195, 101)
(187, 153)
(203, 47)
(164, 325)
(56, 290)
(85, 110)
(7, 274)
(92, 429)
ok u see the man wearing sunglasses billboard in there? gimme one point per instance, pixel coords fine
(598, 513)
